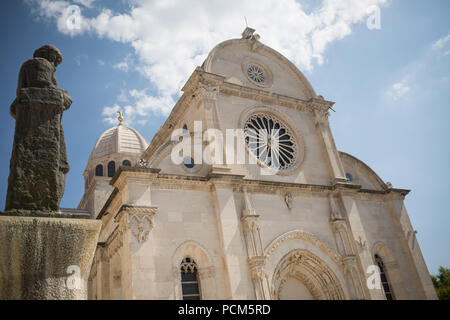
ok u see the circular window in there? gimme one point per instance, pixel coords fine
(270, 141)
(189, 162)
(256, 74)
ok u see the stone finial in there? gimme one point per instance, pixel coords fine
(250, 34)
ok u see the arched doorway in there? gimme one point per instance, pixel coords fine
(301, 275)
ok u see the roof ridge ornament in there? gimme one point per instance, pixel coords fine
(249, 34)
(120, 118)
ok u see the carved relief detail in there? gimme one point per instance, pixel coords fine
(306, 236)
(288, 200)
(311, 271)
(140, 226)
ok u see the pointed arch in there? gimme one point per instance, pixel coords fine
(205, 269)
(311, 271)
(384, 258)
(317, 251)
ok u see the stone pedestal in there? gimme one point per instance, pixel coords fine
(46, 255)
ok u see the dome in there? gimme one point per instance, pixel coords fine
(119, 139)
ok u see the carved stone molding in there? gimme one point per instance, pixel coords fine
(306, 236)
(205, 92)
(256, 265)
(248, 221)
(349, 263)
(176, 273)
(356, 279)
(115, 243)
(321, 116)
(311, 271)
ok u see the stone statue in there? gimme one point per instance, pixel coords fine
(38, 161)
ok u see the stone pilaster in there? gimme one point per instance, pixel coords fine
(255, 250)
(321, 115)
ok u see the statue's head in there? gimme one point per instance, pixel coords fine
(50, 53)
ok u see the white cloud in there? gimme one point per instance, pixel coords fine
(439, 44)
(101, 62)
(122, 66)
(398, 90)
(123, 96)
(171, 38)
(137, 105)
(86, 3)
(125, 64)
(110, 114)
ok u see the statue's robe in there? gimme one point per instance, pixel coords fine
(39, 160)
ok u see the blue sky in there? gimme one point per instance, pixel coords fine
(390, 85)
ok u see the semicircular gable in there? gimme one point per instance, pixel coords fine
(231, 58)
(361, 173)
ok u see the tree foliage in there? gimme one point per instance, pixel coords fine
(442, 283)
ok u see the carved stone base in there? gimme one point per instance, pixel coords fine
(46, 256)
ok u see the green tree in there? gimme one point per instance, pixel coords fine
(442, 283)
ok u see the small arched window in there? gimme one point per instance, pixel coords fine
(384, 278)
(349, 177)
(111, 169)
(185, 128)
(99, 171)
(189, 279)
(126, 163)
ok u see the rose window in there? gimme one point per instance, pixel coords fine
(256, 74)
(270, 141)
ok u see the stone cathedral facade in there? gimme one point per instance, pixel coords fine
(313, 230)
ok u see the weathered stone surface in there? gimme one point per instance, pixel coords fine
(38, 161)
(34, 263)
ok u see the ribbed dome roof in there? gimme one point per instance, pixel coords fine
(119, 139)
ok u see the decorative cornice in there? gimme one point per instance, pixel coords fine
(135, 210)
